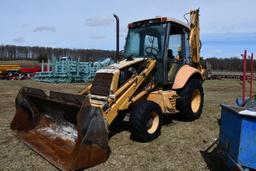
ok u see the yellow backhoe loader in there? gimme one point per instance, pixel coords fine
(160, 75)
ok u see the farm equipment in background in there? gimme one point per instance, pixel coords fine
(245, 76)
(28, 73)
(67, 70)
(225, 74)
(161, 75)
(9, 71)
(17, 72)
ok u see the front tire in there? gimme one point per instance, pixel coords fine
(146, 121)
(191, 102)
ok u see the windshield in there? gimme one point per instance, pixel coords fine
(142, 40)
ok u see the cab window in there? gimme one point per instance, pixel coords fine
(150, 41)
(175, 43)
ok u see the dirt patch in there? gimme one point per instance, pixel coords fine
(181, 145)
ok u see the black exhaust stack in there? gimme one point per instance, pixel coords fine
(117, 37)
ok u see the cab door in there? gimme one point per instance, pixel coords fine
(176, 53)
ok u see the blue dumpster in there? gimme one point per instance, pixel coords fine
(238, 137)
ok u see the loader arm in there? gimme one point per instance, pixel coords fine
(85, 90)
(126, 93)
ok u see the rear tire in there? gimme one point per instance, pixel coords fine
(146, 121)
(191, 102)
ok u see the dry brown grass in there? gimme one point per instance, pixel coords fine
(181, 145)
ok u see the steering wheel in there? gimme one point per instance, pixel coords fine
(151, 51)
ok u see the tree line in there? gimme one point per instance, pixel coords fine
(12, 52)
(233, 64)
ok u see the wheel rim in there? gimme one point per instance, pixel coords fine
(196, 101)
(153, 123)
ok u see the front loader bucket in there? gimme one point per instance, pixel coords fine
(63, 128)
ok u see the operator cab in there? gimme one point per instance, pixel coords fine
(163, 39)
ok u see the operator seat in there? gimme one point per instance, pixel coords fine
(172, 66)
(170, 54)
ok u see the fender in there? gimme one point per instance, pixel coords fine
(183, 75)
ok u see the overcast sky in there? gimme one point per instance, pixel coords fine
(227, 26)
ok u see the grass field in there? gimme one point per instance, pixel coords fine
(181, 145)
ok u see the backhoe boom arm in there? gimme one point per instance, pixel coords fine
(194, 38)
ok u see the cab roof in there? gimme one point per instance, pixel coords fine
(158, 20)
